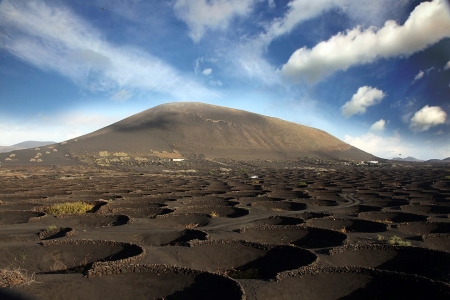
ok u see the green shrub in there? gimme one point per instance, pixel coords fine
(70, 208)
(395, 240)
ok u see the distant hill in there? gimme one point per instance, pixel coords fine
(409, 159)
(24, 145)
(32, 144)
(445, 160)
(191, 128)
(8, 148)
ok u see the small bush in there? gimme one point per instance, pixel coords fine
(70, 208)
(395, 240)
(52, 227)
(213, 214)
(302, 184)
(13, 277)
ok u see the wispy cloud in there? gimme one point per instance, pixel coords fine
(57, 128)
(202, 15)
(365, 96)
(426, 25)
(207, 72)
(447, 66)
(122, 95)
(419, 76)
(54, 38)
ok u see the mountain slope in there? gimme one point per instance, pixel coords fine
(197, 128)
(175, 130)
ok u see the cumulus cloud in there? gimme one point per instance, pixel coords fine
(447, 66)
(54, 38)
(419, 75)
(427, 117)
(378, 126)
(385, 147)
(393, 145)
(365, 96)
(207, 71)
(427, 24)
(202, 15)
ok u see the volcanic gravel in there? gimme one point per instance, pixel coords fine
(258, 230)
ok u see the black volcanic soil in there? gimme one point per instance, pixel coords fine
(267, 230)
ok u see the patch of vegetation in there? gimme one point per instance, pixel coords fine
(52, 227)
(77, 207)
(302, 184)
(13, 277)
(213, 214)
(394, 240)
(191, 225)
(447, 177)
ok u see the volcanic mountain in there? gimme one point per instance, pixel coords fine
(195, 128)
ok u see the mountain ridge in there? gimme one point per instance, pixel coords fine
(193, 127)
(183, 129)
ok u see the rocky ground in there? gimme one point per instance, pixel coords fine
(225, 230)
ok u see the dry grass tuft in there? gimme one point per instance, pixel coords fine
(191, 225)
(13, 277)
(70, 208)
(213, 214)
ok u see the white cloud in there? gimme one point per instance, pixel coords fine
(391, 146)
(55, 128)
(378, 126)
(207, 72)
(202, 15)
(447, 66)
(385, 147)
(53, 38)
(365, 96)
(428, 23)
(297, 12)
(419, 75)
(427, 117)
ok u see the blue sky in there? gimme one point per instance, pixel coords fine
(375, 74)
